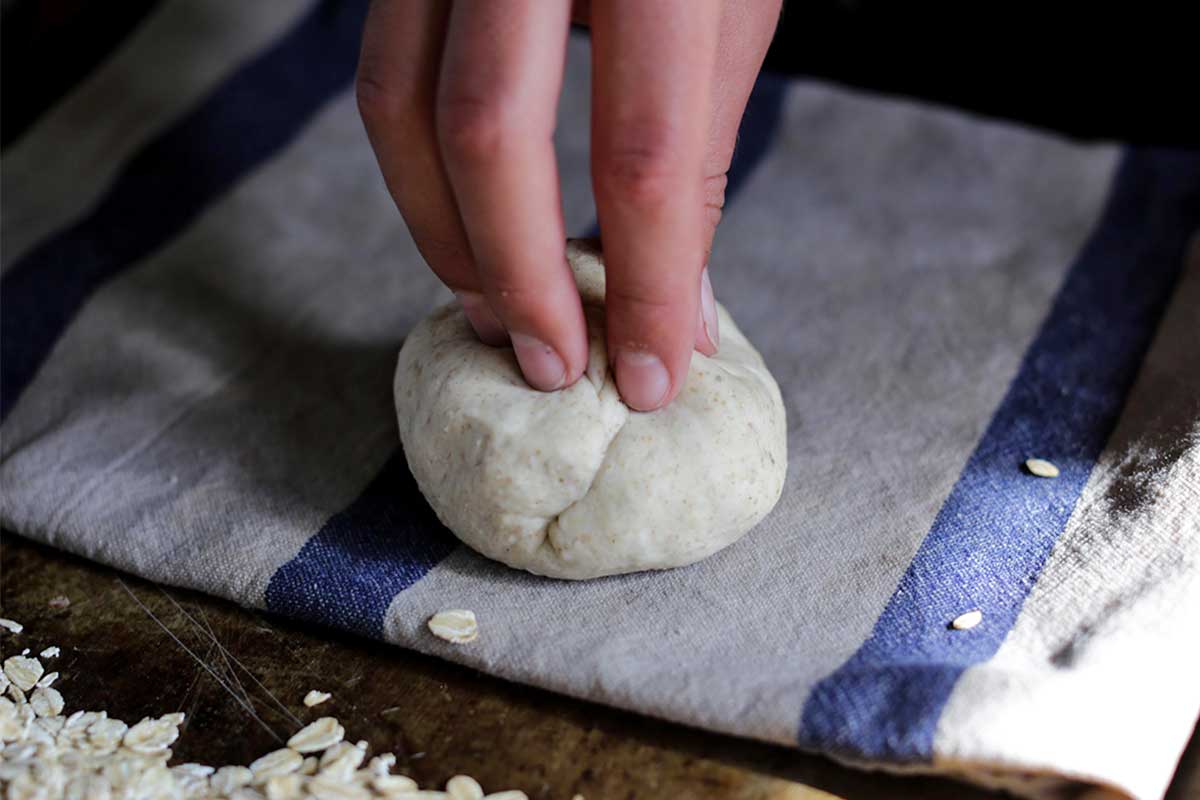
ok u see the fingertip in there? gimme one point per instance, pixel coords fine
(642, 380)
(651, 341)
(548, 331)
(544, 369)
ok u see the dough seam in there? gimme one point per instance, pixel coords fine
(551, 522)
(504, 466)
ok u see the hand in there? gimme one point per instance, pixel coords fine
(459, 102)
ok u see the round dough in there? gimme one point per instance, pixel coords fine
(573, 484)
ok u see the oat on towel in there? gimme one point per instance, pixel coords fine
(205, 286)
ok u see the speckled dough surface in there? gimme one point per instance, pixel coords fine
(573, 484)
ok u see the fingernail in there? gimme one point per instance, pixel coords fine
(479, 314)
(642, 379)
(708, 310)
(542, 366)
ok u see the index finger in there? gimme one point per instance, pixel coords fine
(500, 81)
(652, 88)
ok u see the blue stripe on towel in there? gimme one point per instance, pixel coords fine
(388, 539)
(347, 574)
(998, 525)
(171, 181)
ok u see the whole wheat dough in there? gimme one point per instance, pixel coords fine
(573, 484)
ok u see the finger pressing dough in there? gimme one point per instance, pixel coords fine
(574, 484)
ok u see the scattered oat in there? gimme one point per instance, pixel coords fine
(151, 735)
(46, 702)
(227, 780)
(285, 787)
(11, 625)
(106, 734)
(50, 652)
(193, 770)
(390, 785)
(52, 724)
(315, 698)
(319, 735)
(342, 759)
(59, 602)
(277, 762)
(24, 672)
(1041, 468)
(82, 719)
(88, 754)
(455, 625)
(330, 788)
(464, 787)
(382, 764)
(192, 779)
(17, 695)
(964, 622)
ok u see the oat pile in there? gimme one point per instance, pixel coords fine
(89, 755)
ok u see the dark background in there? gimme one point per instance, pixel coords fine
(1102, 71)
(1119, 71)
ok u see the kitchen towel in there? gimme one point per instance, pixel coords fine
(205, 284)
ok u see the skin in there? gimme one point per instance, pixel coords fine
(459, 101)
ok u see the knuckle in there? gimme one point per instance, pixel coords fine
(641, 300)
(644, 170)
(714, 191)
(381, 101)
(714, 201)
(471, 127)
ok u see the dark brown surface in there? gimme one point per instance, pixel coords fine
(439, 719)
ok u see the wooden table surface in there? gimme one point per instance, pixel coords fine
(440, 719)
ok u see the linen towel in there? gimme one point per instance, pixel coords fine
(205, 285)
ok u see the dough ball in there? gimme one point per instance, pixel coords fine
(574, 484)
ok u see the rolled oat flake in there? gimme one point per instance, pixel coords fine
(317, 736)
(23, 671)
(964, 622)
(464, 787)
(1041, 468)
(277, 762)
(455, 625)
(41, 748)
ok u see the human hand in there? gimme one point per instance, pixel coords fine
(459, 102)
